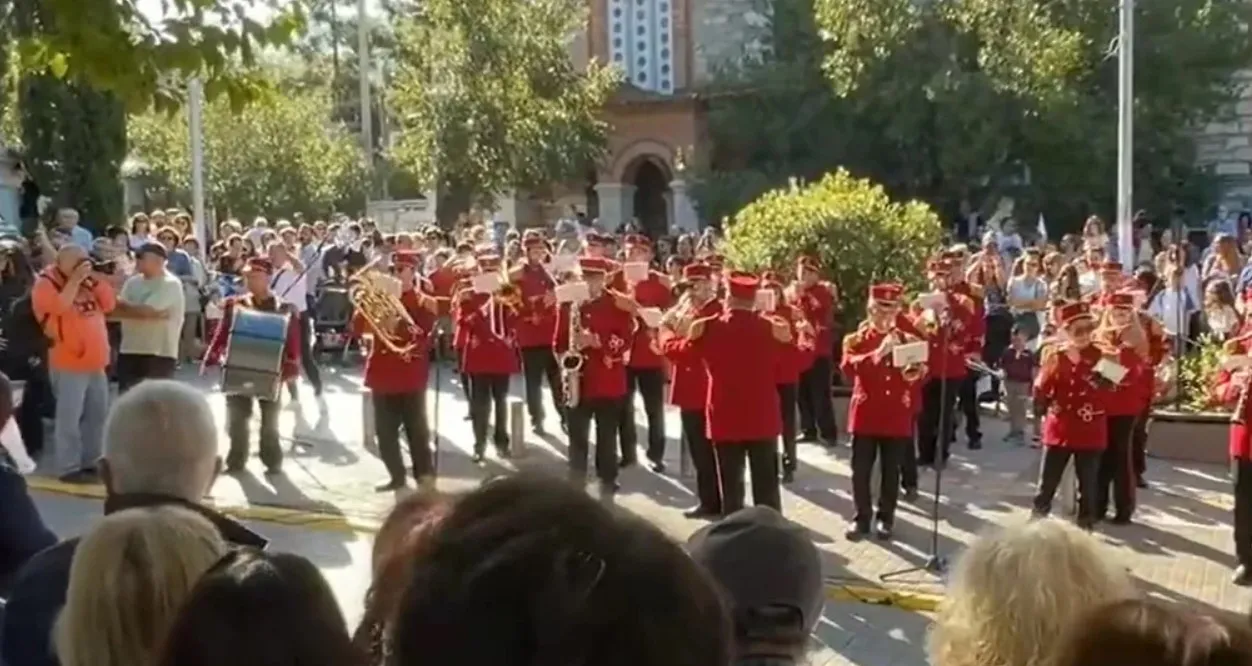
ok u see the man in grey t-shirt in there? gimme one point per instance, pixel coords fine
(151, 307)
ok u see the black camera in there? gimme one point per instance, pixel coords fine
(103, 267)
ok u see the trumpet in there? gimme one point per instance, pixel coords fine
(376, 296)
(983, 368)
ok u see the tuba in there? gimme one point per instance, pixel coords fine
(375, 296)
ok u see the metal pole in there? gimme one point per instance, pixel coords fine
(1125, 133)
(195, 123)
(367, 118)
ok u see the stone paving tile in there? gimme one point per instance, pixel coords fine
(1180, 547)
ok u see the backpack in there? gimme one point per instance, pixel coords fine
(26, 331)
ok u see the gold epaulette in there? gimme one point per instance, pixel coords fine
(1048, 356)
(851, 340)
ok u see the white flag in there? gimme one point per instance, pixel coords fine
(1041, 228)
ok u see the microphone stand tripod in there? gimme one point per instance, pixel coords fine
(935, 563)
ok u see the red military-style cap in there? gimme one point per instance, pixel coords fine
(742, 285)
(886, 293)
(531, 242)
(405, 258)
(593, 265)
(1072, 312)
(715, 261)
(260, 265)
(638, 240)
(938, 267)
(697, 271)
(1111, 267)
(532, 233)
(1122, 300)
(488, 263)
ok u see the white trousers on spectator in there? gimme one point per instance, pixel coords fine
(82, 401)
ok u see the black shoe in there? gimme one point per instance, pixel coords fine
(657, 466)
(856, 534)
(1120, 520)
(788, 475)
(1242, 577)
(82, 477)
(478, 459)
(975, 443)
(883, 532)
(623, 463)
(1037, 514)
(537, 428)
(807, 437)
(390, 486)
(273, 471)
(1142, 483)
(608, 489)
(702, 512)
(1086, 524)
(910, 494)
(235, 470)
(503, 452)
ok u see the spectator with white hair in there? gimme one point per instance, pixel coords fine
(160, 448)
(1015, 592)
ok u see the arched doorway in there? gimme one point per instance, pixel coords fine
(651, 197)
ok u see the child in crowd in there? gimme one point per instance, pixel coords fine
(1018, 364)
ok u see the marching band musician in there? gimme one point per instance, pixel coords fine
(792, 362)
(1231, 389)
(818, 301)
(602, 336)
(1120, 332)
(1158, 355)
(1110, 283)
(742, 411)
(644, 372)
(880, 390)
(257, 276)
(536, 323)
(398, 380)
(489, 358)
(689, 384)
(1074, 400)
(960, 282)
(954, 332)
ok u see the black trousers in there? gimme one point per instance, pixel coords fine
(605, 412)
(1086, 468)
(238, 413)
(967, 391)
(908, 462)
(539, 363)
(999, 335)
(306, 352)
(649, 383)
(1139, 444)
(36, 401)
(1117, 469)
(762, 456)
(487, 390)
(134, 368)
(888, 451)
(936, 425)
(392, 412)
(817, 412)
(1243, 511)
(702, 459)
(787, 403)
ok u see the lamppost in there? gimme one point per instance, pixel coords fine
(195, 124)
(1125, 133)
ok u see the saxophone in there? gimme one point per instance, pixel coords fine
(572, 360)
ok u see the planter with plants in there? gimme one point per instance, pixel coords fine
(1187, 425)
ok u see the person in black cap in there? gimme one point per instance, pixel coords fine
(771, 577)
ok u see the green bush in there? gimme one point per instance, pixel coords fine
(1196, 374)
(849, 224)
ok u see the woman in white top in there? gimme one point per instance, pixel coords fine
(1028, 294)
(1220, 316)
(140, 230)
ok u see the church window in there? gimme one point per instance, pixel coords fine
(647, 59)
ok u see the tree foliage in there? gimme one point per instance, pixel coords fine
(143, 60)
(280, 155)
(851, 225)
(486, 98)
(962, 102)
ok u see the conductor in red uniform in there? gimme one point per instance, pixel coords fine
(817, 300)
(536, 323)
(601, 335)
(740, 348)
(489, 358)
(644, 373)
(1075, 425)
(257, 276)
(397, 380)
(689, 384)
(880, 413)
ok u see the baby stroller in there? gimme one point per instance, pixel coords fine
(332, 321)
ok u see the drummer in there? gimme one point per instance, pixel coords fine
(259, 297)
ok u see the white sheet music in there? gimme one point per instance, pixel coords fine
(1110, 370)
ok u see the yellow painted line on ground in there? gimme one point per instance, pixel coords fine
(919, 602)
(311, 520)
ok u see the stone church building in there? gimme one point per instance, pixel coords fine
(667, 51)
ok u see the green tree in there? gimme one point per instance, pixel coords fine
(280, 155)
(486, 98)
(850, 224)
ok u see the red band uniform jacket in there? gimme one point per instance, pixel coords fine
(883, 401)
(796, 357)
(817, 303)
(388, 373)
(485, 351)
(688, 379)
(291, 346)
(1227, 390)
(536, 320)
(604, 367)
(741, 355)
(964, 336)
(645, 350)
(1075, 418)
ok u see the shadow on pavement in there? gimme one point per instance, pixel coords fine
(869, 635)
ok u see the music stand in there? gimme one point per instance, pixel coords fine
(935, 563)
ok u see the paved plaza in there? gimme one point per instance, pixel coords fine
(1179, 548)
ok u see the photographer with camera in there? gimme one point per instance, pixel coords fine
(70, 301)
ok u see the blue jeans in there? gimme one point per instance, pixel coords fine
(82, 401)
